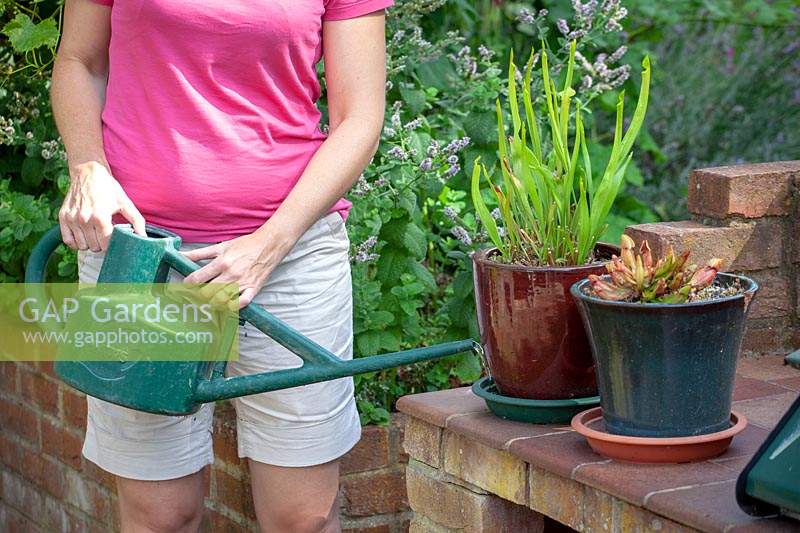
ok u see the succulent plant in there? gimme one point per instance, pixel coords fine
(640, 278)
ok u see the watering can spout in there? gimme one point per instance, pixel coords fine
(179, 388)
(224, 388)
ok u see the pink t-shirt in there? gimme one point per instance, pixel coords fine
(210, 115)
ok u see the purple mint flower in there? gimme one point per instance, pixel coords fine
(453, 170)
(525, 16)
(618, 53)
(461, 234)
(397, 153)
(426, 164)
(457, 145)
(414, 124)
(561, 24)
(450, 213)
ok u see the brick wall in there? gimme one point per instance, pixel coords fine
(46, 485)
(749, 215)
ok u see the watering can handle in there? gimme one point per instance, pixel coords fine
(319, 364)
(299, 344)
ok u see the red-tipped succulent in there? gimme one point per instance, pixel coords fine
(641, 278)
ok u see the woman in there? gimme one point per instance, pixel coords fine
(199, 116)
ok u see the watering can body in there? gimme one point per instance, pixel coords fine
(179, 387)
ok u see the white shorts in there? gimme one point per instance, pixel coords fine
(310, 425)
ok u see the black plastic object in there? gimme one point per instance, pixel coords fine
(666, 370)
(770, 483)
(530, 411)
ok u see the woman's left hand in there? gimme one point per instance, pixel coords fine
(246, 261)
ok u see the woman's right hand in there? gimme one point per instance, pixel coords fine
(94, 196)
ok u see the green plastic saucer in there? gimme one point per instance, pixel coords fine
(530, 411)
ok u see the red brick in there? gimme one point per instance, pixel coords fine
(435, 407)
(60, 517)
(749, 388)
(373, 493)
(713, 508)
(767, 368)
(41, 391)
(61, 443)
(741, 246)
(47, 368)
(87, 496)
(8, 377)
(214, 521)
(766, 336)
(396, 438)
(233, 493)
(383, 528)
(639, 482)
(225, 446)
(774, 294)
(54, 479)
(98, 475)
(423, 441)
(371, 452)
(558, 454)
(438, 498)
(497, 432)
(765, 412)
(20, 419)
(790, 383)
(751, 191)
(10, 451)
(74, 408)
(12, 521)
(21, 495)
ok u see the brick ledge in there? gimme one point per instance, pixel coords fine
(542, 467)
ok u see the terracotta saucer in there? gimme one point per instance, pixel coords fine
(654, 450)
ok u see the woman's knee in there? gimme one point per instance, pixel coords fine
(168, 506)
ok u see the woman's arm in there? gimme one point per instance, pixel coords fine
(78, 91)
(355, 70)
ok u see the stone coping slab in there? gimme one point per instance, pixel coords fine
(698, 496)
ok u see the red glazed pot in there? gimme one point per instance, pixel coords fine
(531, 331)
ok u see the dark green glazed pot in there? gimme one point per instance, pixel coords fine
(666, 370)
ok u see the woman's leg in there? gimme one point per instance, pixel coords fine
(296, 500)
(293, 438)
(174, 505)
(159, 461)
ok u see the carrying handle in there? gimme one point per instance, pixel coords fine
(36, 269)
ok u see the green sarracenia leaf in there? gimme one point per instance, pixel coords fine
(481, 209)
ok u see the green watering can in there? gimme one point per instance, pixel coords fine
(180, 388)
(770, 483)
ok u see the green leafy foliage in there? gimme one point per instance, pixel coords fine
(26, 35)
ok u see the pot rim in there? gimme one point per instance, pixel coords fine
(482, 256)
(579, 294)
